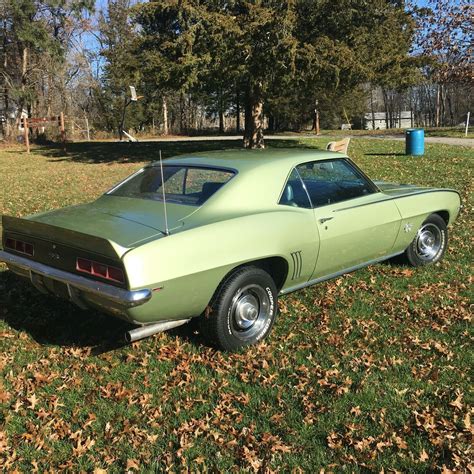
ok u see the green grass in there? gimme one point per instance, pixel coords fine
(369, 372)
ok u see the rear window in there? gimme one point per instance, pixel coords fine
(183, 184)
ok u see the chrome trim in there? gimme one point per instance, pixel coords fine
(120, 296)
(128, 178)
(336, 274)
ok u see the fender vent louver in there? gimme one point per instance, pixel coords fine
(297, 264)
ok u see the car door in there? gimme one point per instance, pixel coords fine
(356, 223)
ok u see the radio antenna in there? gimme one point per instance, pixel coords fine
(167, 231)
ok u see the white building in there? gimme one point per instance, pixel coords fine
(379, 120)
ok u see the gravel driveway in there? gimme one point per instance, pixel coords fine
(469, 142)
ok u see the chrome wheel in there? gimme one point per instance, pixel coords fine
(429, 242)
(250, 312)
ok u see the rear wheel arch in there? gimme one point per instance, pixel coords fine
(242, 310)
(276, 267)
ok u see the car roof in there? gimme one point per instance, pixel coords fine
(259, 181)
(242, 160)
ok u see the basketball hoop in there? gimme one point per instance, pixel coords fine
(133, 94)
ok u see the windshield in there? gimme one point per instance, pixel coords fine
(188, 185)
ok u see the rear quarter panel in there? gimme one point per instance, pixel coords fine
(189, 266)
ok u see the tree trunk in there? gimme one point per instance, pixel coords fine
(122, 120)
(450, 108)
(253, 133)
(237, 111)
(221, 113)
(24, 70)
(438, 105)
(6, 130)
(182, 116)
(271, 123)
(387, 112)
(165, 116)
(372, 109)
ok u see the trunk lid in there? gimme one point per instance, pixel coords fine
(109, 226)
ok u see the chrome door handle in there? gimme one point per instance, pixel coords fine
(325, 219)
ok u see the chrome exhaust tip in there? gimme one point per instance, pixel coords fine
(150, 329)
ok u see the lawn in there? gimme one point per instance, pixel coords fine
(372, 371)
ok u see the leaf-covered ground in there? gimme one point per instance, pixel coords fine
(372, 371)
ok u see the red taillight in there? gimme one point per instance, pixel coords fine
(29, 249)
(84, 265)
(99, 269)
(19, 246)
(115, 274)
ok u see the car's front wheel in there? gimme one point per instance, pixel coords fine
(243, 310)
(430, 242)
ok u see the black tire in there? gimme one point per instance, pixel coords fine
(242, 311)
(430, 242)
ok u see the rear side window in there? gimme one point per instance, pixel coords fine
(183, 184)
(332, 181)
(294, 193)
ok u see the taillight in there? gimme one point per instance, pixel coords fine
(101, 270)
(19, 246)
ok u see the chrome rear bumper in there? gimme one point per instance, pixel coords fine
(82, 291)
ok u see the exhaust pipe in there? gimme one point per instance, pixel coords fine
(150, 329)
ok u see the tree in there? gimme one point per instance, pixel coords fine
(444, 37)
(36, 36)
(122, 68)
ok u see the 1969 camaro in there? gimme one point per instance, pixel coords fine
(226, 234)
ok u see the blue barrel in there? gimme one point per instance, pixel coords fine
(415, 141)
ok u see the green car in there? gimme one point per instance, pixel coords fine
(221, 235)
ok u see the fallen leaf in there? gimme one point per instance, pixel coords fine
(33, 401)
(132, 464)
(424, 456)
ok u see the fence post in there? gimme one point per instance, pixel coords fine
(27, 134)
(467, 122)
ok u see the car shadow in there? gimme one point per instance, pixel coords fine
(385, 154)
(54, 322)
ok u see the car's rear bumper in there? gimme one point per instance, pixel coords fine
(80, 290)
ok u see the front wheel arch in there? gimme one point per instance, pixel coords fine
(444, 215)
(430, 242)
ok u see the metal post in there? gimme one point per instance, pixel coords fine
(27, 134)
(467, 122)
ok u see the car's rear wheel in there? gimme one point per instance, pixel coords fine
(243, 310)
(430, 242)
